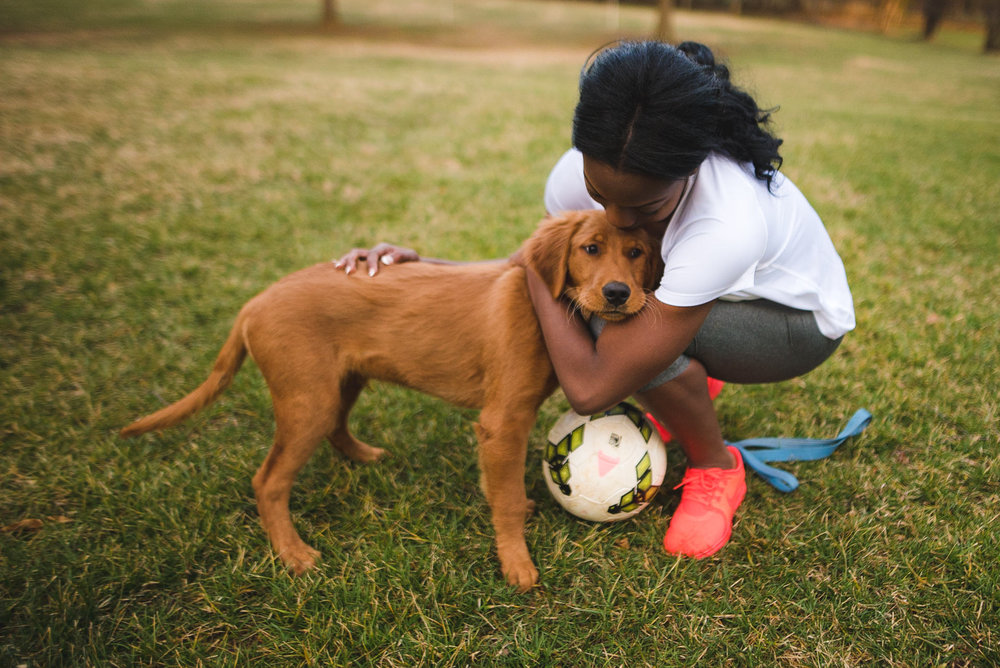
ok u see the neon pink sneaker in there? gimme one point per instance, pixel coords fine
(703, 522)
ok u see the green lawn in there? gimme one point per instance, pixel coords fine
(161, 162)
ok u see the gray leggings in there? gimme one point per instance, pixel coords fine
(756, 341)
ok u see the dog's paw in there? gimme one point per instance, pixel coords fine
(522, 576)
(530, 508)
(358, 451)
(300, 558)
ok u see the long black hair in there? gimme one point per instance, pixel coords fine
(659, 110)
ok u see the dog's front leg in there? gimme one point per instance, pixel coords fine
(503, 448)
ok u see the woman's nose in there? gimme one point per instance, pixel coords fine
(621, 217)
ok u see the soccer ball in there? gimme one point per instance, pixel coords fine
(606, 467)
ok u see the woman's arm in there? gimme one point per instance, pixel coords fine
(595, 375)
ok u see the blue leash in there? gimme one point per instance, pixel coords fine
(756, 451)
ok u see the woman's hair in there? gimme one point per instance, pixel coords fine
(659, 110)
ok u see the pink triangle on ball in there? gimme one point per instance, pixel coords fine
(605, 463)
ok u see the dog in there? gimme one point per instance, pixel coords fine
(464, 333)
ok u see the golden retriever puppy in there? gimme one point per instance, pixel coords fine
(464, 333)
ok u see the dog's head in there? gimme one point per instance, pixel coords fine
(604, 270)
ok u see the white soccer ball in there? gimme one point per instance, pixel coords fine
(605, 467)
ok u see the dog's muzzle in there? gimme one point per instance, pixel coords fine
(616, 293)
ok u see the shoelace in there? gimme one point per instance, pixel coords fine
(703, 485)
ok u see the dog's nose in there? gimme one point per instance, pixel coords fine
(616, 293)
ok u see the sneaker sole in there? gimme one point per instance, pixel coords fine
(718, 546)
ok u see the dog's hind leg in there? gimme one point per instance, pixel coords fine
(341, 438)
(503, 448)
(302, 421)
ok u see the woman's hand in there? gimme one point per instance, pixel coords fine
(383, 253)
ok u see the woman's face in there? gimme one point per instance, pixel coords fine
(632, 200)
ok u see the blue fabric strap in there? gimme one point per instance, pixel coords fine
(756, 451)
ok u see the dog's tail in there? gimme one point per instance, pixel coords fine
(229, 361)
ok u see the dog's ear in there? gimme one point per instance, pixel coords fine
(547, 250)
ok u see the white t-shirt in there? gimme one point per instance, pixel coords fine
(730, 238)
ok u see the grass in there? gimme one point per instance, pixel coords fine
(160, 162)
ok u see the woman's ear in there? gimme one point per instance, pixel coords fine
(547, 250)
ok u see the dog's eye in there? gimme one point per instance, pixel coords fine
(635, 253)
(591, 249)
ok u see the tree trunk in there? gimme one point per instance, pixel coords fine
(991, 8)
(665, 29)
(330, 17)
(933, 13)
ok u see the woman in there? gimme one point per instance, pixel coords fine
(752, 291)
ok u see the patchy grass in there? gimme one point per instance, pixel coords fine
(160, 162)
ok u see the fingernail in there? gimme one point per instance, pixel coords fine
(387, 259)
(371, 272)
(349, 271)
